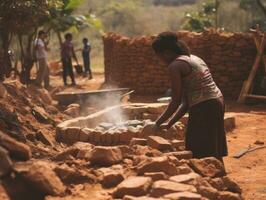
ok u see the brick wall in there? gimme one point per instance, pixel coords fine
(131, 62)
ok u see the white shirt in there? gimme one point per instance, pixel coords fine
(40, 48)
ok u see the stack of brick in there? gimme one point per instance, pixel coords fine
(131, 62)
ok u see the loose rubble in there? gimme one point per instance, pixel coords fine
(96, 158)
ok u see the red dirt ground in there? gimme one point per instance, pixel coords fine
(248, 171)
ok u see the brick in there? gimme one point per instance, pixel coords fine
(105, 156)
(159, 143)
(181, 154)
(210, 167)
(184, 178)
(16, 149)
(183, 196)
(155, 176)
(161, 188)
(157, 164)
(138, 141)
(134, 186)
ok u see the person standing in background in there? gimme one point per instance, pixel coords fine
(86, 57)
(40, 47)
(67, 52)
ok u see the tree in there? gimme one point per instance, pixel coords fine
(62, 18)
(204, 18)
(21, 18)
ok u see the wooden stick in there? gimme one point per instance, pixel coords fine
(248, 150)
(258, 40)
(247, 85)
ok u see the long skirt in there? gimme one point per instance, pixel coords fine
(205, 134)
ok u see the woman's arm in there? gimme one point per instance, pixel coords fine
(181, 111)
(176, 87)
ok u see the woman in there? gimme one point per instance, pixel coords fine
(193, 90)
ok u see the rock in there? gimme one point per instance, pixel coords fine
(41, 176)
(181, 154)
(178, 144)
(3, 91)
(41, 115)
(105, 156)
(73, 110)
(157, 164)
(66, 154)
(159, 143)
(145, 150)
(208, 192)
(184, 178)
(5, 162)
(228, 196)
(149, 130)
(155, 176)
(229, 123)
(183, 196)
(231, 185)
(110, 178)
(45, 138)
(72, 134)
(217, 183)
(161, 188)
(16, 149)
(45, 96)
(174, 160)
(210, 167)
(184, 169)
(127, 197)
(138, 141)
(126, 151)
(134, 186)
(74, 176)
(84, 150)
(258, 142)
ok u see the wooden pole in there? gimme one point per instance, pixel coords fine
(247, 84)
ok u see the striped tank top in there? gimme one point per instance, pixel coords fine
(199, 84)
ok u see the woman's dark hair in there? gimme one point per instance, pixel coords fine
(41, 32)
(68, 36)
(169, 41)
(85, 40)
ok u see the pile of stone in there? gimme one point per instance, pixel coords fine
(131, 62)
(96, 157)
(147, 169)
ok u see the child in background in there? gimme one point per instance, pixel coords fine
(86, 57)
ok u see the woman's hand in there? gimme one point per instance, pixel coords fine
(165, 126)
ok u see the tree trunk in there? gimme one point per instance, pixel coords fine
(27, 60)
(5, 68)
(59, 38)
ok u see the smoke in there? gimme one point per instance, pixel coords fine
(99, 101)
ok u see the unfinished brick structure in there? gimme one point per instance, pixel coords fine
(131, 62)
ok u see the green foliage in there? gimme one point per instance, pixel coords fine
(21, 15)
(62, 18)
(72, 4)
(204, 18)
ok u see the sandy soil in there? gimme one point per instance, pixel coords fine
(248, 171)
